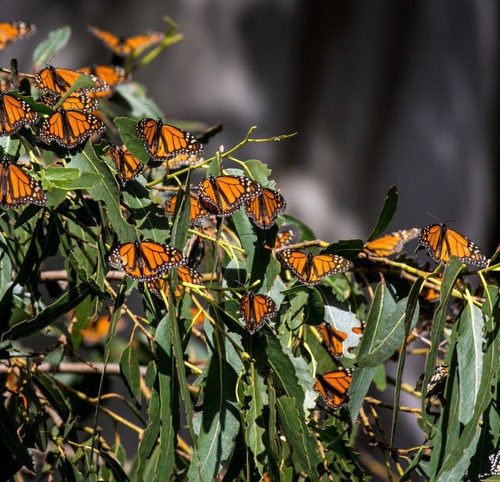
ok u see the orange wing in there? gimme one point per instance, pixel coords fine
(128, 166)
(264, 209)
(168, 143)
(442, 243)
(10, 31)
(58, 81)
(79, 102)
(256, 310)
(310, 269)
(17, 187)
(69, 128)
(283, 239)
(333, 387)
(146, 261)
(14, 114)
(111, 74)
(196, 210)
(185, 274)
(390, 243)
(125, 46)
(333, 339)
(224, 195)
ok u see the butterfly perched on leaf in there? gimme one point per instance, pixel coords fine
(14, 114)
(223, 195)
(437, 382)
(338, 342)
(59, 80)
(442, 243)
(127, 165)
(79, 102)
(112, 75)
(264, 209)
(311, 269)
(147, 260)
(389, 244)
(123, 46)
(185, 274)
(165, 142)
(256, 310)
(69, 128)
(10, 31)
(196, 210)
(333, 387)
(18, 188)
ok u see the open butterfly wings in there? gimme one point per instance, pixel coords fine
(14, 114)
(264, 209)
(256, 310)
(79, 102)
(223, 195)
(185, 274)
(389, 244)
(11, 31)
(333, 387)
(111, 74)
(145, 261)
(442, 243)
(165, 142)
(127, 165)
(311, 269)
(18, 188)
(59, 80)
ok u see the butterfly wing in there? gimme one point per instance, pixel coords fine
(140, 42)
(127, 165)
(283, 239)
(59, 80)
(333, 387)
(185, 274)
(112, 75)
(10, 31)
(256, 310)
(332, 339)
(14, 114)
(436, 384)
(18, 188)
(224, 195)
(196, 210)
(80, 102)
(264, 209)
(390, 243)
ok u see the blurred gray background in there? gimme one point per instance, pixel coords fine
(380, 93)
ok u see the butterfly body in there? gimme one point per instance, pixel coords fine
(127, 165)
(256, 309)
(223, 195)
(17, 187)
(442, 243)
(265, 208)
(146, 261)
(196, 210)
(14, 114)
(59, 80)
(333, 387)
(311, 269)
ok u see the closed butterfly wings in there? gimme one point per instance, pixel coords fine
(165, 142)
(223, 195)
(18, 188)
(442, 243)
(145, 261)
(14, 114)
(333, 387)
(311, 269)
(264, 209)
(389, 244)
(127, 165)
(256, 309)
(196, 210)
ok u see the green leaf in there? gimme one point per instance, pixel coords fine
(5, 268)
(140, 104)
(129, 368)
(114, 466)
(48, 48)
(126, 129)
(69, 179)
(360, 384)
(54, 395)
(314, 310)
(349, 248)
(385, 217)
(12, 445)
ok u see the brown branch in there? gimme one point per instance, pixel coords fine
(82, 368)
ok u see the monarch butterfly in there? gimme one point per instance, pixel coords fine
(494, 469)
(14, 114)
(311, 269)
(390, 243)
(79, 102)
(17, 187)
(165, 142)
(283, 239)
(10, 31)
(145, 261)
(69, 128)
(263, 210)
(125, 46)
(128, 166)
(58, 81)
(333, 387)
(436, 384)
(111, 74)
(196, 210)
(97, 330)
(224, 195)
(256, 310)
(334, 340)
(185, 274)
(442, 243)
